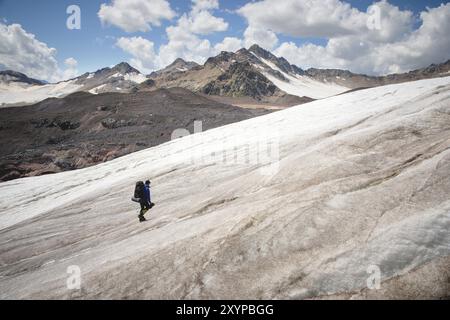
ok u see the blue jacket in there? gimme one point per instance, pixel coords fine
(147, 194)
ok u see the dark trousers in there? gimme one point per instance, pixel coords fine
(144, 208)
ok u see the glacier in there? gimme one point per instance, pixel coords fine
(361, 180)
(299, 85)
(19, 94)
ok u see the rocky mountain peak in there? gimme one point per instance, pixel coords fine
(241, 80)
(280, 62)
(124, 68)
(242, 51)
(260, 52)
(9, 76)
(179, 61)
(224, 56)
(182, 65)
(179, 65)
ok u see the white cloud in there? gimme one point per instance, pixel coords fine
(71, 68)
(263, 37)
(327, 18)
(309, 55)
(303, 18)
(394, 24)
(200, 20)
(200, 5)
(142, 50)
(21, 51)
(379, 41)
(429, 44)
(183, 44)
(136, 15)
(230, 44)
(71, 62)
(184, 39)
(205, 23)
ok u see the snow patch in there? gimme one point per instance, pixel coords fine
(96, 90)
(116, 75)
(19, 94)
(302, 86)
(135, 77)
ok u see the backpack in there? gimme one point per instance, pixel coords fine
(138, 191)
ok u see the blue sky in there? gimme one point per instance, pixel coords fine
(94, 46)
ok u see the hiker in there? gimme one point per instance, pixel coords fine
(143, 197)
(147, 193)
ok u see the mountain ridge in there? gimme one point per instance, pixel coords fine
(253, 73)
(8, 76)
(178, 65)
(288, 78)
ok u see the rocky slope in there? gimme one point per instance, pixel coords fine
(238, 75)
(83, 129)
(354, 81)
(176, 67)
(122, 78)
(241, 81)
(361, 184)
(258, 74)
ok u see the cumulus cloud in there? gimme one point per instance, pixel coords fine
(200, 20)
(183, 44)
(135, 15)
(205, 23)
(71, 62)
(184, 39)
(201, 5)
(380, 40)
(71, 68)
(428, 44)
(327, 19)
(393, 24)
(263, 37)
(303, 18)
(142, 50)
(21, 51)
(309, 55)
(230, 44)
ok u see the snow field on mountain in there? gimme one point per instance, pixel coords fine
(302, 86)
(19, 93)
